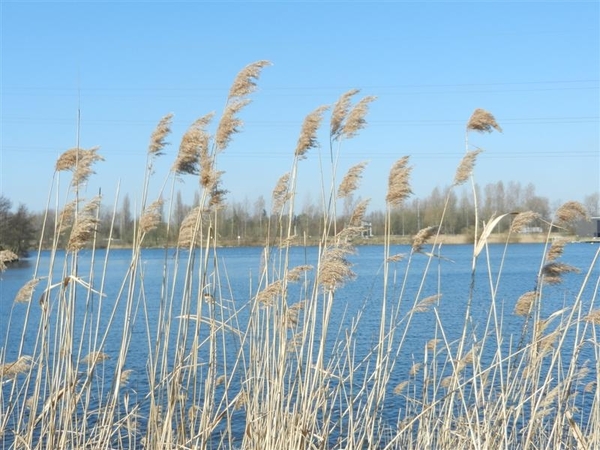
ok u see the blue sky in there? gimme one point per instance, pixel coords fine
(534, 65)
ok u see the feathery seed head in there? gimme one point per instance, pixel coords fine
(151, 217)
(12, 369)
(335, 268)
(421, 238)
(7, 256)
(465, 169)
(350, 181)
(355, 120)
(26, 292)
(358, 214)
(398, 182)
(245, 81)
(157, 140)
(192, 144)
(189, 228)
(95, 357)
(482, 121)
(339, 113)
(571, 211)
(556, 249)
(524, 303)
(281, 192)
(522, 220)
(552, 271)
(593, 317)
(308, 134)
(229, 124)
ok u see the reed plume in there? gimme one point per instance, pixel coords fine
(524, 303)
(308, 134)
(26, 292)
(593, 317)
(295, 273)
(340, 112)
(335, 268)
(189, 228)
(355, 120)
(571, 211)
(79, 161)
(358, 214)
(482, 121)
(157, 139)
(281, 192)
(523, 219)
(229, 124)
(12, 369)
(465, 168)
(267, 295)
(350, 181)
(95, 357)
(398, 183)
(7, 256)
(426, 303)
(85, 226)
(422, 237)
(192, 144)
(245, 82)
(151, 216)
(553, 271)
(556, 249)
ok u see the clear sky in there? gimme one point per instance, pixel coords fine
(534, 65)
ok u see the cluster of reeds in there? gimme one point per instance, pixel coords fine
(275, 370)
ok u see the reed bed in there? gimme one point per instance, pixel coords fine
(273, 370)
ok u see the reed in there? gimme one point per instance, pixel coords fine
(277, 368)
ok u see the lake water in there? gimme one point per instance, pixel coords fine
(237, 272)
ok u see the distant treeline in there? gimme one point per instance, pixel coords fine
(249, 222)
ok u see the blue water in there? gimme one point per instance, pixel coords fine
(236, 270)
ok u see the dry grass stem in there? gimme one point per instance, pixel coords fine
(571, 211)
(398, 183)
(308, 134)
(524, 303)
(157, 139)
(422, 237)
(522, 220)
(465, 168)
(245, 82)
(482, 121)
(355, 120)
(26, 292)
(350, 181)
(229, 124)
(339, 113)
(151, 217)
